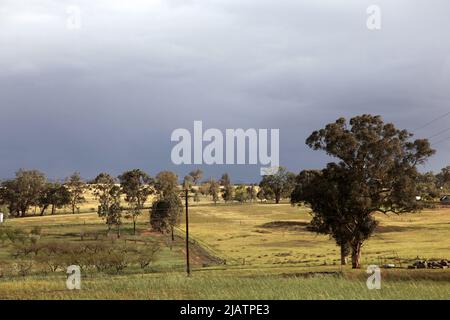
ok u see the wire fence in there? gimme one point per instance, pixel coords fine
(213, 252)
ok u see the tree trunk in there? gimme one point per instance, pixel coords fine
(277, 198)
(118, 231)
(134, 226)
(43, 210)
(173, 238)
(53, 209)
(356, 255)
(344, 253)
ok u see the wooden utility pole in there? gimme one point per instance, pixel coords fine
(186, 198)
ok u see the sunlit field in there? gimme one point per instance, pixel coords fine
(244, 251)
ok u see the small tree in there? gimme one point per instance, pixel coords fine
(427, 186)
(112, 213)
(136, 185)
(147, 255)
(260, 195)
(76, 187)
(279, 184)
(159, 215)
(225, 180)
(196, 175)
(196, 195)
(166, 182)
(175, 212)
(265, 194)
(108, 195)
(251, 191)
(214, 189)
(227, 188)
(102, 186)
(187, 182)
(443, 178)
(241, 194)
(54, 195)
(24, 191)
(228, 193)
(204, 188)
(165, 214)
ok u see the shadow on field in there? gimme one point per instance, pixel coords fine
(285, 225)
(387, 229)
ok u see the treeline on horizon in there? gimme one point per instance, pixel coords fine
(31, 188)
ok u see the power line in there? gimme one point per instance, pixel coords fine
(440, 141)
(439, 133)
(432, 121)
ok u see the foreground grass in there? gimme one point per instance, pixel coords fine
(237, 233)
(263, 261)
(225, 285)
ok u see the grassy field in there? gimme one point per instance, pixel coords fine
(230, 285)
(263, 251)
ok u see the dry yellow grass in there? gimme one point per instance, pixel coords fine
(238, 232)
(265, 260)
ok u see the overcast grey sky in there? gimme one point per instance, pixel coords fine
(107, 96)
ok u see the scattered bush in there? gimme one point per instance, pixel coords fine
(23, 267)
(36, 231)
(147, 255)
(53, 261)
(3, 235)
(16, 235)
(24, 250)
(118, 261)
(4, 268)
(95, 235)
(103, 256)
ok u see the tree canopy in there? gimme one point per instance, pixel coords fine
(23, 191)
(137, 186)
(279, 184)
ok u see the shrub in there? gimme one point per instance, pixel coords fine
(54, 247)
(52, 260)
(147, 255)
(118, 261)
(3, 235)
(95, 247)
(23, 250)
(76, 254)
(54, 255)
(34, 239)
(100, 261)
(5, 267)
(16, 235)
(37, 231)
(23, 267)
(81, 259)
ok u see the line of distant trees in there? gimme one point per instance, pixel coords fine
(433, 186)
(31, 189)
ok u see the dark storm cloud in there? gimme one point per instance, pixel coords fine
(107, 96)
